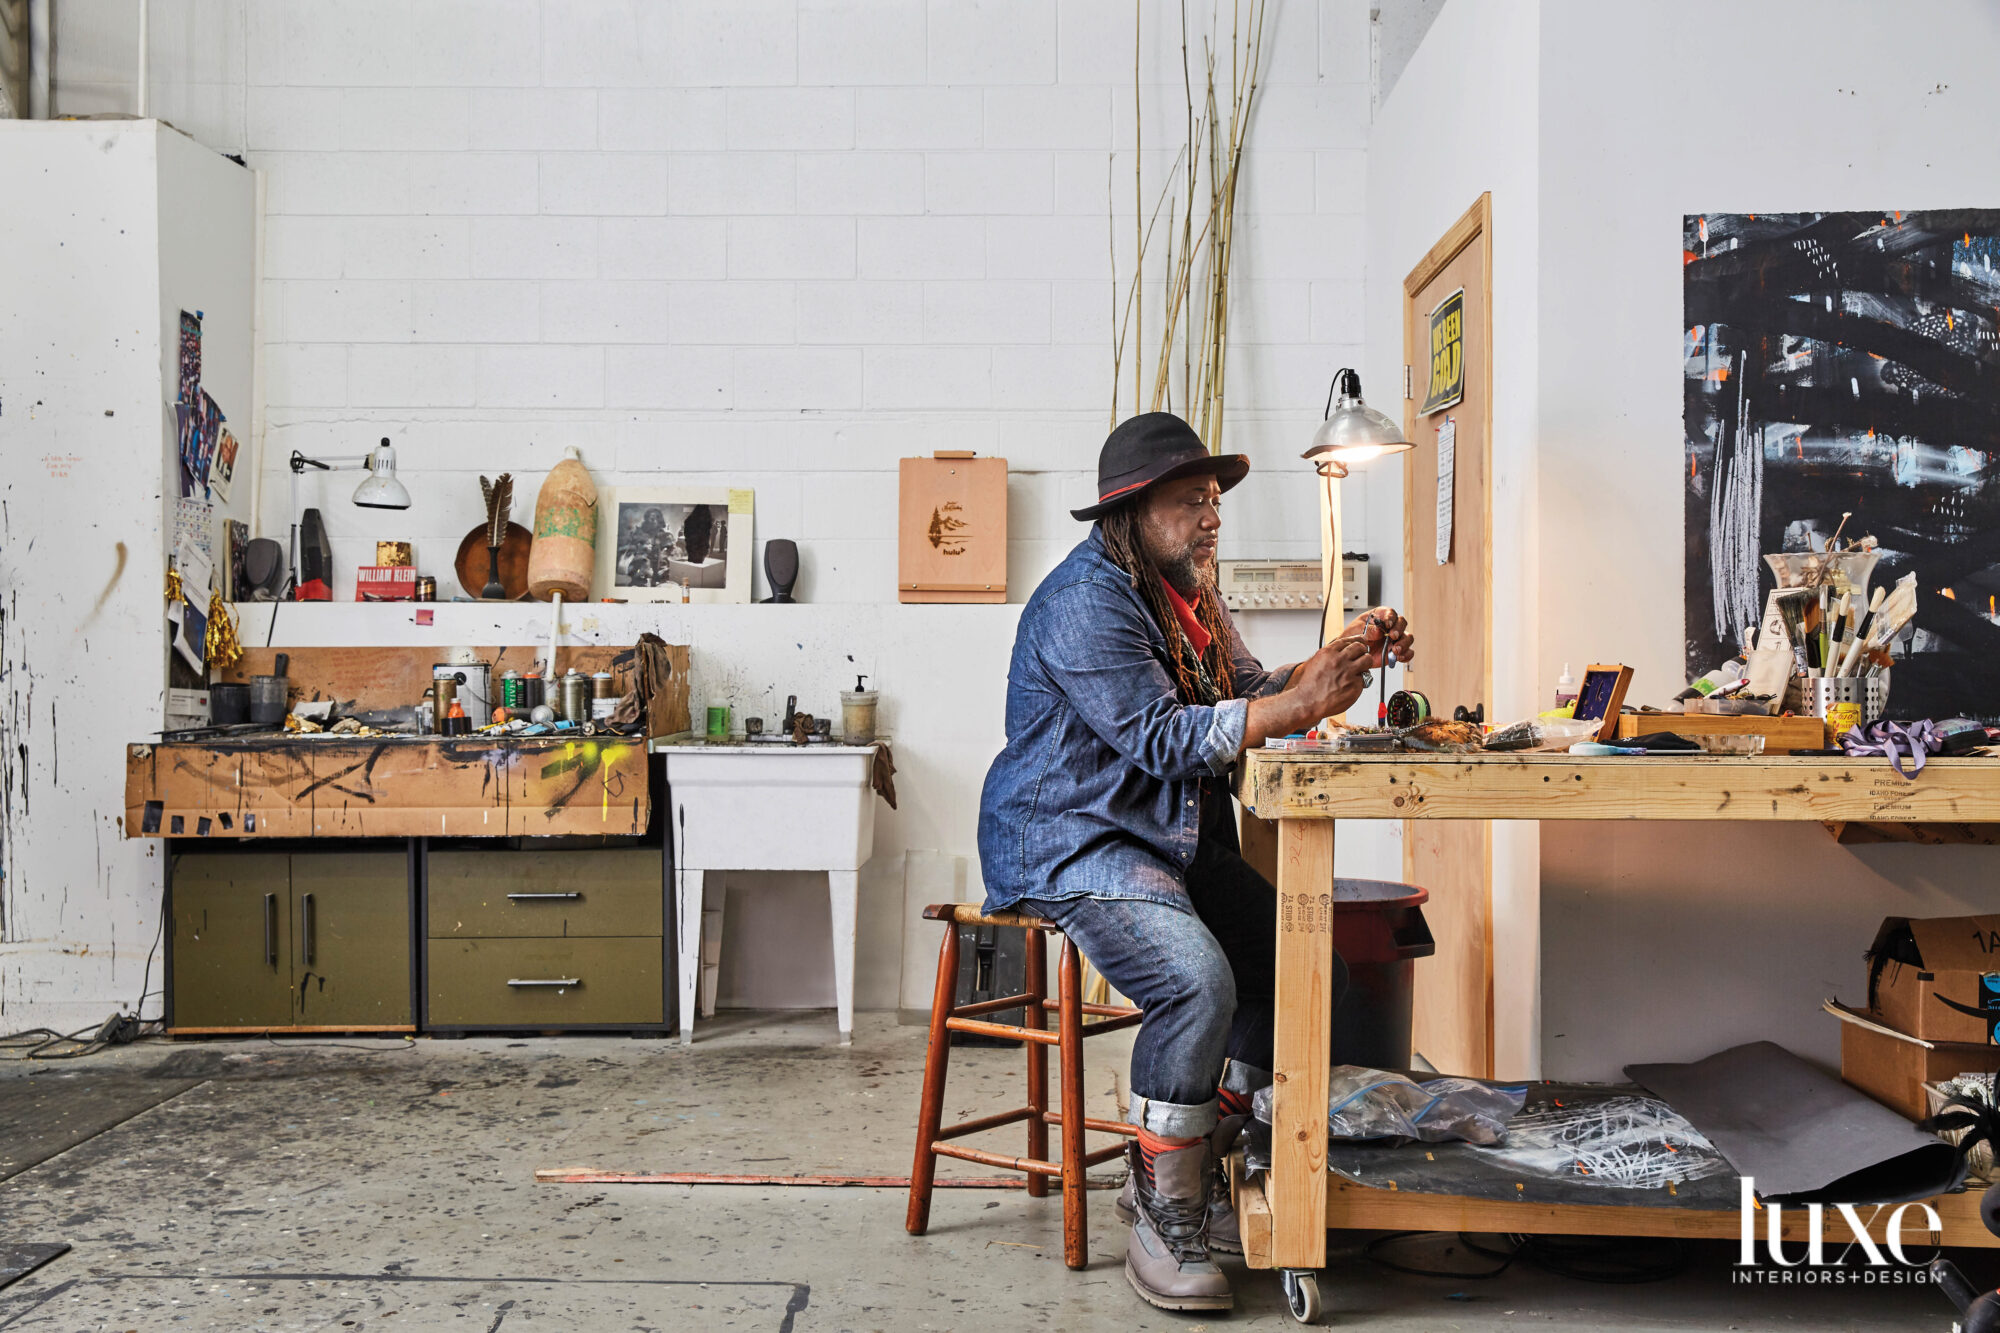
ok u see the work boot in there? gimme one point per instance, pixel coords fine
(1166, 1254)
(1224, 1236)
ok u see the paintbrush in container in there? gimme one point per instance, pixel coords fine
(1834, 642)
(1792, 610)
(1898, 609)
(1861, 634)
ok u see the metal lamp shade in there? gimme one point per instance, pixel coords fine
(1353, 432)
(380, 489)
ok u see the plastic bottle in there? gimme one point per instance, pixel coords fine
(1565, 688)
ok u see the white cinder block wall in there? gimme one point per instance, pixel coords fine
(767, 243)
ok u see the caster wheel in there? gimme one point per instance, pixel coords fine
(1302, 1295)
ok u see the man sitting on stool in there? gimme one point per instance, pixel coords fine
(1129, 697)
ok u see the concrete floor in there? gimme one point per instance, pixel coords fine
(368, 1185)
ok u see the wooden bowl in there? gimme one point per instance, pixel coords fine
(471, 562)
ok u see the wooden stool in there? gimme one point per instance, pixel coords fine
(1069, 1009)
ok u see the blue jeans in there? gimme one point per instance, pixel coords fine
(1206, 978)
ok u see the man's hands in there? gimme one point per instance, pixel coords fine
(1385, 632)
(1331, 679)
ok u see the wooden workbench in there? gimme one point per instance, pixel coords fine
(1286, 1212)
(285, 786)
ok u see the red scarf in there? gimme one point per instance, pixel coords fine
(1197, 637)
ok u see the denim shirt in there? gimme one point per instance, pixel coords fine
(1099, 792)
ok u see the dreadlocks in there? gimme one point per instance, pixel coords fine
(1125, 544)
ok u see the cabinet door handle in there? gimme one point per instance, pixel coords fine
(552, 981)
(270, 930)
(531, 896)
(311, 916)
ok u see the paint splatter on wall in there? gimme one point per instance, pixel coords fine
(1848, 361)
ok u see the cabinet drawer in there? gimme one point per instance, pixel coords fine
(499, 895)
(501, 982)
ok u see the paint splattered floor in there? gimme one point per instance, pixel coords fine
(375, 1186)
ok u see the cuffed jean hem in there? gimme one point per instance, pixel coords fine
(1172, 1120)
(1243, 1078)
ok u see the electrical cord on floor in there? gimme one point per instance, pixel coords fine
(1611, 1259)
(406, 1042)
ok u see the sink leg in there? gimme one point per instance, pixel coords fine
(687, 920)
(842, 893)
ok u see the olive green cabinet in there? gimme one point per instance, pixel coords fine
(545, 940)
(268, 941)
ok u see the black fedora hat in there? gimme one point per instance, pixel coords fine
(1154, 447)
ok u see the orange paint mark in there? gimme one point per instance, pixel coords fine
(1871, 432)
(1691, 465)
(1802, 446)
(1719, 374)
(1899, 216)
(1947, 592)
(1948, 321)
(1687, 256)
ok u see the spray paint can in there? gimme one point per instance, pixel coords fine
(510, 690)
(576, 697)
(603, 696)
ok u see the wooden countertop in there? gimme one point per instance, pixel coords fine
(1277, 784)
(284, 786)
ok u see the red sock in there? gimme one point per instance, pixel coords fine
(1232, 1102)
(1152, 1145)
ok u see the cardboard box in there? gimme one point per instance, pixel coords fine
(1938, 977)
(1892, 1067)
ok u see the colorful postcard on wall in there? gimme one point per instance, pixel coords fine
(222, 474)
(193, 519)
(1446, 387)
(190, 359)
(211, 431)
(1841, 363)
(187, 436)
(661, 540)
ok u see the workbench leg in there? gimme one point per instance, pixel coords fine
(1304, 1015)
(688, 897)
(843, 893)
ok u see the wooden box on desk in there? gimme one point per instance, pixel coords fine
(951, 530)
(1892, 1067)
(1780, 733)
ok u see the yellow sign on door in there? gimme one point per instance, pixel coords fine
(1447, 378)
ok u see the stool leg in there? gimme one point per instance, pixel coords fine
(1034, 1016)
(930, 1112)
(1076, 1239)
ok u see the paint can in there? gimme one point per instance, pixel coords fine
(533, 696)
(475, 692)
(427, 588)
(510, 689)
(603, 696)
(444, 684)
(576, 697)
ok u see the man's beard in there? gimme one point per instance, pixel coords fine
(1179, 563)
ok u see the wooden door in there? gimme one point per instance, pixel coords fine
(1450, 609)
(230, 940)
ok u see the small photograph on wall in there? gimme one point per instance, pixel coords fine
(663, 540)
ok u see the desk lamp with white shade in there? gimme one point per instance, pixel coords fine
(378, 490)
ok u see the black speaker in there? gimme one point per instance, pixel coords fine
(315, 572)
(781, 567)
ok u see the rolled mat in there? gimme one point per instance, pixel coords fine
(1801, 1134)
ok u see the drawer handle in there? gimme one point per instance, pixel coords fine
(270, 930)
(564, 982)
(311, 930)
(519, 896)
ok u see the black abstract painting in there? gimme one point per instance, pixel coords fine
(1848, 363)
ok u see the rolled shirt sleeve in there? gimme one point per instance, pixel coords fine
(1225, 734)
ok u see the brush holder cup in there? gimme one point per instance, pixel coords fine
(1840, 702)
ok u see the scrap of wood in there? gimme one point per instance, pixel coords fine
(1858, 833)
(583, 1175)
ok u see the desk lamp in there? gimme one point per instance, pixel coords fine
(379, 490)
(1352, 433)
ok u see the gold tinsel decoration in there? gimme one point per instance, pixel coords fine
(219, 646)
(173, 582)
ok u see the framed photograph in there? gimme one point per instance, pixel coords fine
(1601, 695)
(653, 541)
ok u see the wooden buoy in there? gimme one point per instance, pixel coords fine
(565, 552)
